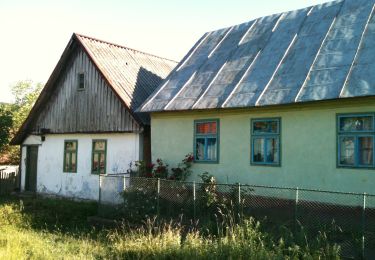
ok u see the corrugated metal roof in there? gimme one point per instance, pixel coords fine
(317, 53)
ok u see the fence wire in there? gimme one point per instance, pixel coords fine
(347, 219)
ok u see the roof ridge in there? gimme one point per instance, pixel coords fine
(276, 13)
(123, 47)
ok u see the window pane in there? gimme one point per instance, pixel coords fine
(206, 128)
(364, 123)
(102, 163)
(265, 127)
(272, 150)
(366, 150)
(67, 162)
(99, 145)
(199, 149)
(258, 150)
(95, 163)
(70, 146)
(74, 163)
(347, 145)
(81, 80)
(211, 149)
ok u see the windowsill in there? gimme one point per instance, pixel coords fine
(266, 164)
(355, 167)
(207, 162)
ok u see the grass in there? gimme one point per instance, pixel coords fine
(57, 229)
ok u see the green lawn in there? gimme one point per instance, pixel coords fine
(57, 229)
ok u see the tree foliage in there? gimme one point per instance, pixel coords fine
(6, 123)
(25, 94)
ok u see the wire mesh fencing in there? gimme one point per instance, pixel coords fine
(346, 219)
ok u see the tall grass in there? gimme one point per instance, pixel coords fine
(50, 229)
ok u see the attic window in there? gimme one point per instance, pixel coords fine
(81, 81)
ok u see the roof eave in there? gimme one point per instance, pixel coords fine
(22, 132)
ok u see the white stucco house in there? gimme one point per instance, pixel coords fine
(83, 124)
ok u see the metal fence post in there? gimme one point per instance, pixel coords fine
(157, 202)
(296, 209)
(99, 194)
(194, 209)
(363, 225)
(239, 202)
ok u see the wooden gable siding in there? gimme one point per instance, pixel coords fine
(94, 109)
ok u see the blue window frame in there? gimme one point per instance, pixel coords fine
(265, 141)
(206, 140)
(356, 140)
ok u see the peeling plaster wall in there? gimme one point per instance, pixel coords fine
(121, 150)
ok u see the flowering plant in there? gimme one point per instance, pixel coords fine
(182, 171)
(160, 169)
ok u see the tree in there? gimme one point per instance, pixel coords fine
(25, 94)
(6, 123)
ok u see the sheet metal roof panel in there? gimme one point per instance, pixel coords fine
(347, 28)
(184, 71)
(362, 79)
(309, 54)
(238, 63)
(270, 56)
(210, 68)
(361, 82)
(294, 69)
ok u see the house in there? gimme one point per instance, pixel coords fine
(283, 100)
(84, 122)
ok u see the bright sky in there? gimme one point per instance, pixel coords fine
(35, 33)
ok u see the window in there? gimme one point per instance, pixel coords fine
(70, 156)
(81, 81)
(206, 141)
(356, 136)
(99, 149)
(265, 141)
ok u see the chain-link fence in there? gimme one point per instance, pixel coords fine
(347, 219)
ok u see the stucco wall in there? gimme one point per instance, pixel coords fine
(308, 146)
(121, 150)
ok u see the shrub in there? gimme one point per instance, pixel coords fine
(160, 169)
(182, 171)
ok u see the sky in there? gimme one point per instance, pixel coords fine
(35, 33)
